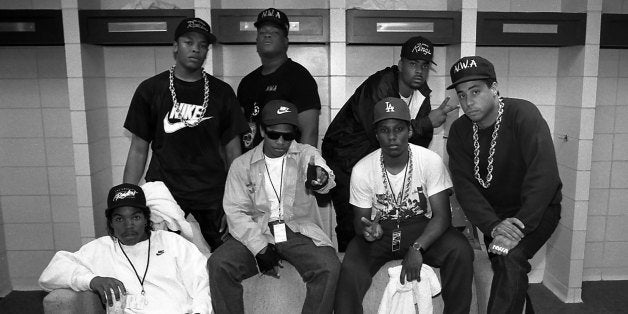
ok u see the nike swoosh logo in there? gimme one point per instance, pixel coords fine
(283, 110)
(170, 127)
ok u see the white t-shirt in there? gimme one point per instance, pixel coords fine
(429, 177)
(414, 102)
(274, 184)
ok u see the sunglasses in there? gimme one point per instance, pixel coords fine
(275, 135)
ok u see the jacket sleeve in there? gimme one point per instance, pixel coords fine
(541, 181)
(68, 270)
(422, 125)
(474, 204)
(319, 161)
(374, 89)
(238, 203)
(192, 267)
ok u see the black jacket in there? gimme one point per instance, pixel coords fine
(350, 135)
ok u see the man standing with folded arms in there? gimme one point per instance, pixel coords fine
(504, 171)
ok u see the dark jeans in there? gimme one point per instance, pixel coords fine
(509, 289)
(344, 213)
(233, 262)
(209, 222)
(451, 252)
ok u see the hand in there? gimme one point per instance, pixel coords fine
(316, 176)
(268, 261)
(107, 288)
(501, 245)
(411, 266)
(372, 230)
(510, 228)
(224, 228)
(439, 115)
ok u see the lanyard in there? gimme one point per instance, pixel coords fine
(134, 270)
(278, 195)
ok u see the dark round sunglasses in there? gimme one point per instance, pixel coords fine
(275, 135)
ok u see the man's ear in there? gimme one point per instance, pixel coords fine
(262, 131)
(175, 49)
(410, 132)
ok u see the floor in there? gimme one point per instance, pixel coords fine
(598, 297)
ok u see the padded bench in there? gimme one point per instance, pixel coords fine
(264, 294)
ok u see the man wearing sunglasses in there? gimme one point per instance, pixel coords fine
(273, 215)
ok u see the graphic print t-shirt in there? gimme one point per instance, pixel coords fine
(429, 177)
(187, 159)
(291, 82)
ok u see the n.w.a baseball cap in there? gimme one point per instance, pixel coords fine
(126, 194)
(471, 69)
(418, 48)
(197, 25)
(391, 108)
(278, 112)
(274, 16)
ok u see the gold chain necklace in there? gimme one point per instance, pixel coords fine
(491, 152)
(177, 106)
(404, 193)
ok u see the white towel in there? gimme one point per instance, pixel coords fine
(163, 208)
(400, 299)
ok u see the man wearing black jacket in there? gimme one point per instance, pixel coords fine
(350, 135)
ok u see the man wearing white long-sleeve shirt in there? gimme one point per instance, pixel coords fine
(146, 271)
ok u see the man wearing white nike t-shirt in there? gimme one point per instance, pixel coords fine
(192, 122)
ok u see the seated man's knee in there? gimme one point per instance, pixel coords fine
(515, 260)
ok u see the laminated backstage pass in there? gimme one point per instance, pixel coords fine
(396, 240)
(279, 231)
(136, 302)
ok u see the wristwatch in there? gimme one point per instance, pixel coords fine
(418, 247)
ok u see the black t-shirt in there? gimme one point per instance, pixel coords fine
(187, 159)
(291, 82)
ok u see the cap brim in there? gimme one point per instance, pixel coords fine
(385, 118)
(431, 61)
(210, 37)
(129, 205)
(468, 78)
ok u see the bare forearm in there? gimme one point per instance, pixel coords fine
(135, 161)
(232, 150)
(308, 124)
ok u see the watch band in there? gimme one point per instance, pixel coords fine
(418, 247)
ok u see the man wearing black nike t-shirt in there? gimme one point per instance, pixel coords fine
(193, 123)
(278, 78)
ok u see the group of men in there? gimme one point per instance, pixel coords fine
(246, 167)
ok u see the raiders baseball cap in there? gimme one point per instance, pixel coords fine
(471, 69)
(274, 16)
(278, 112)
(418, 48)
(391, 108)
(126, 194)
(195, 24)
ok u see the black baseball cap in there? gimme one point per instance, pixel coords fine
(280, 111)
(391, 108)
(126, 194)
(274, 16)
(195, 24)
(470, 69)
(418, 48)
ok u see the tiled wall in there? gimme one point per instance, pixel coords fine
(606, 254)
(38, 199)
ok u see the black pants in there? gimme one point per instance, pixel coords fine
(451, 252)
(509, 289)
(209, 222)
(344, 212)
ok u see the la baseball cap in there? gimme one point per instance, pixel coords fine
(197, 25)
(418, 48)
(470, 69)
(391, 108)
(274, 16)
(126, 194)
(280, 111)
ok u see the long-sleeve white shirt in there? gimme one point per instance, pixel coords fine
(176, 280)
